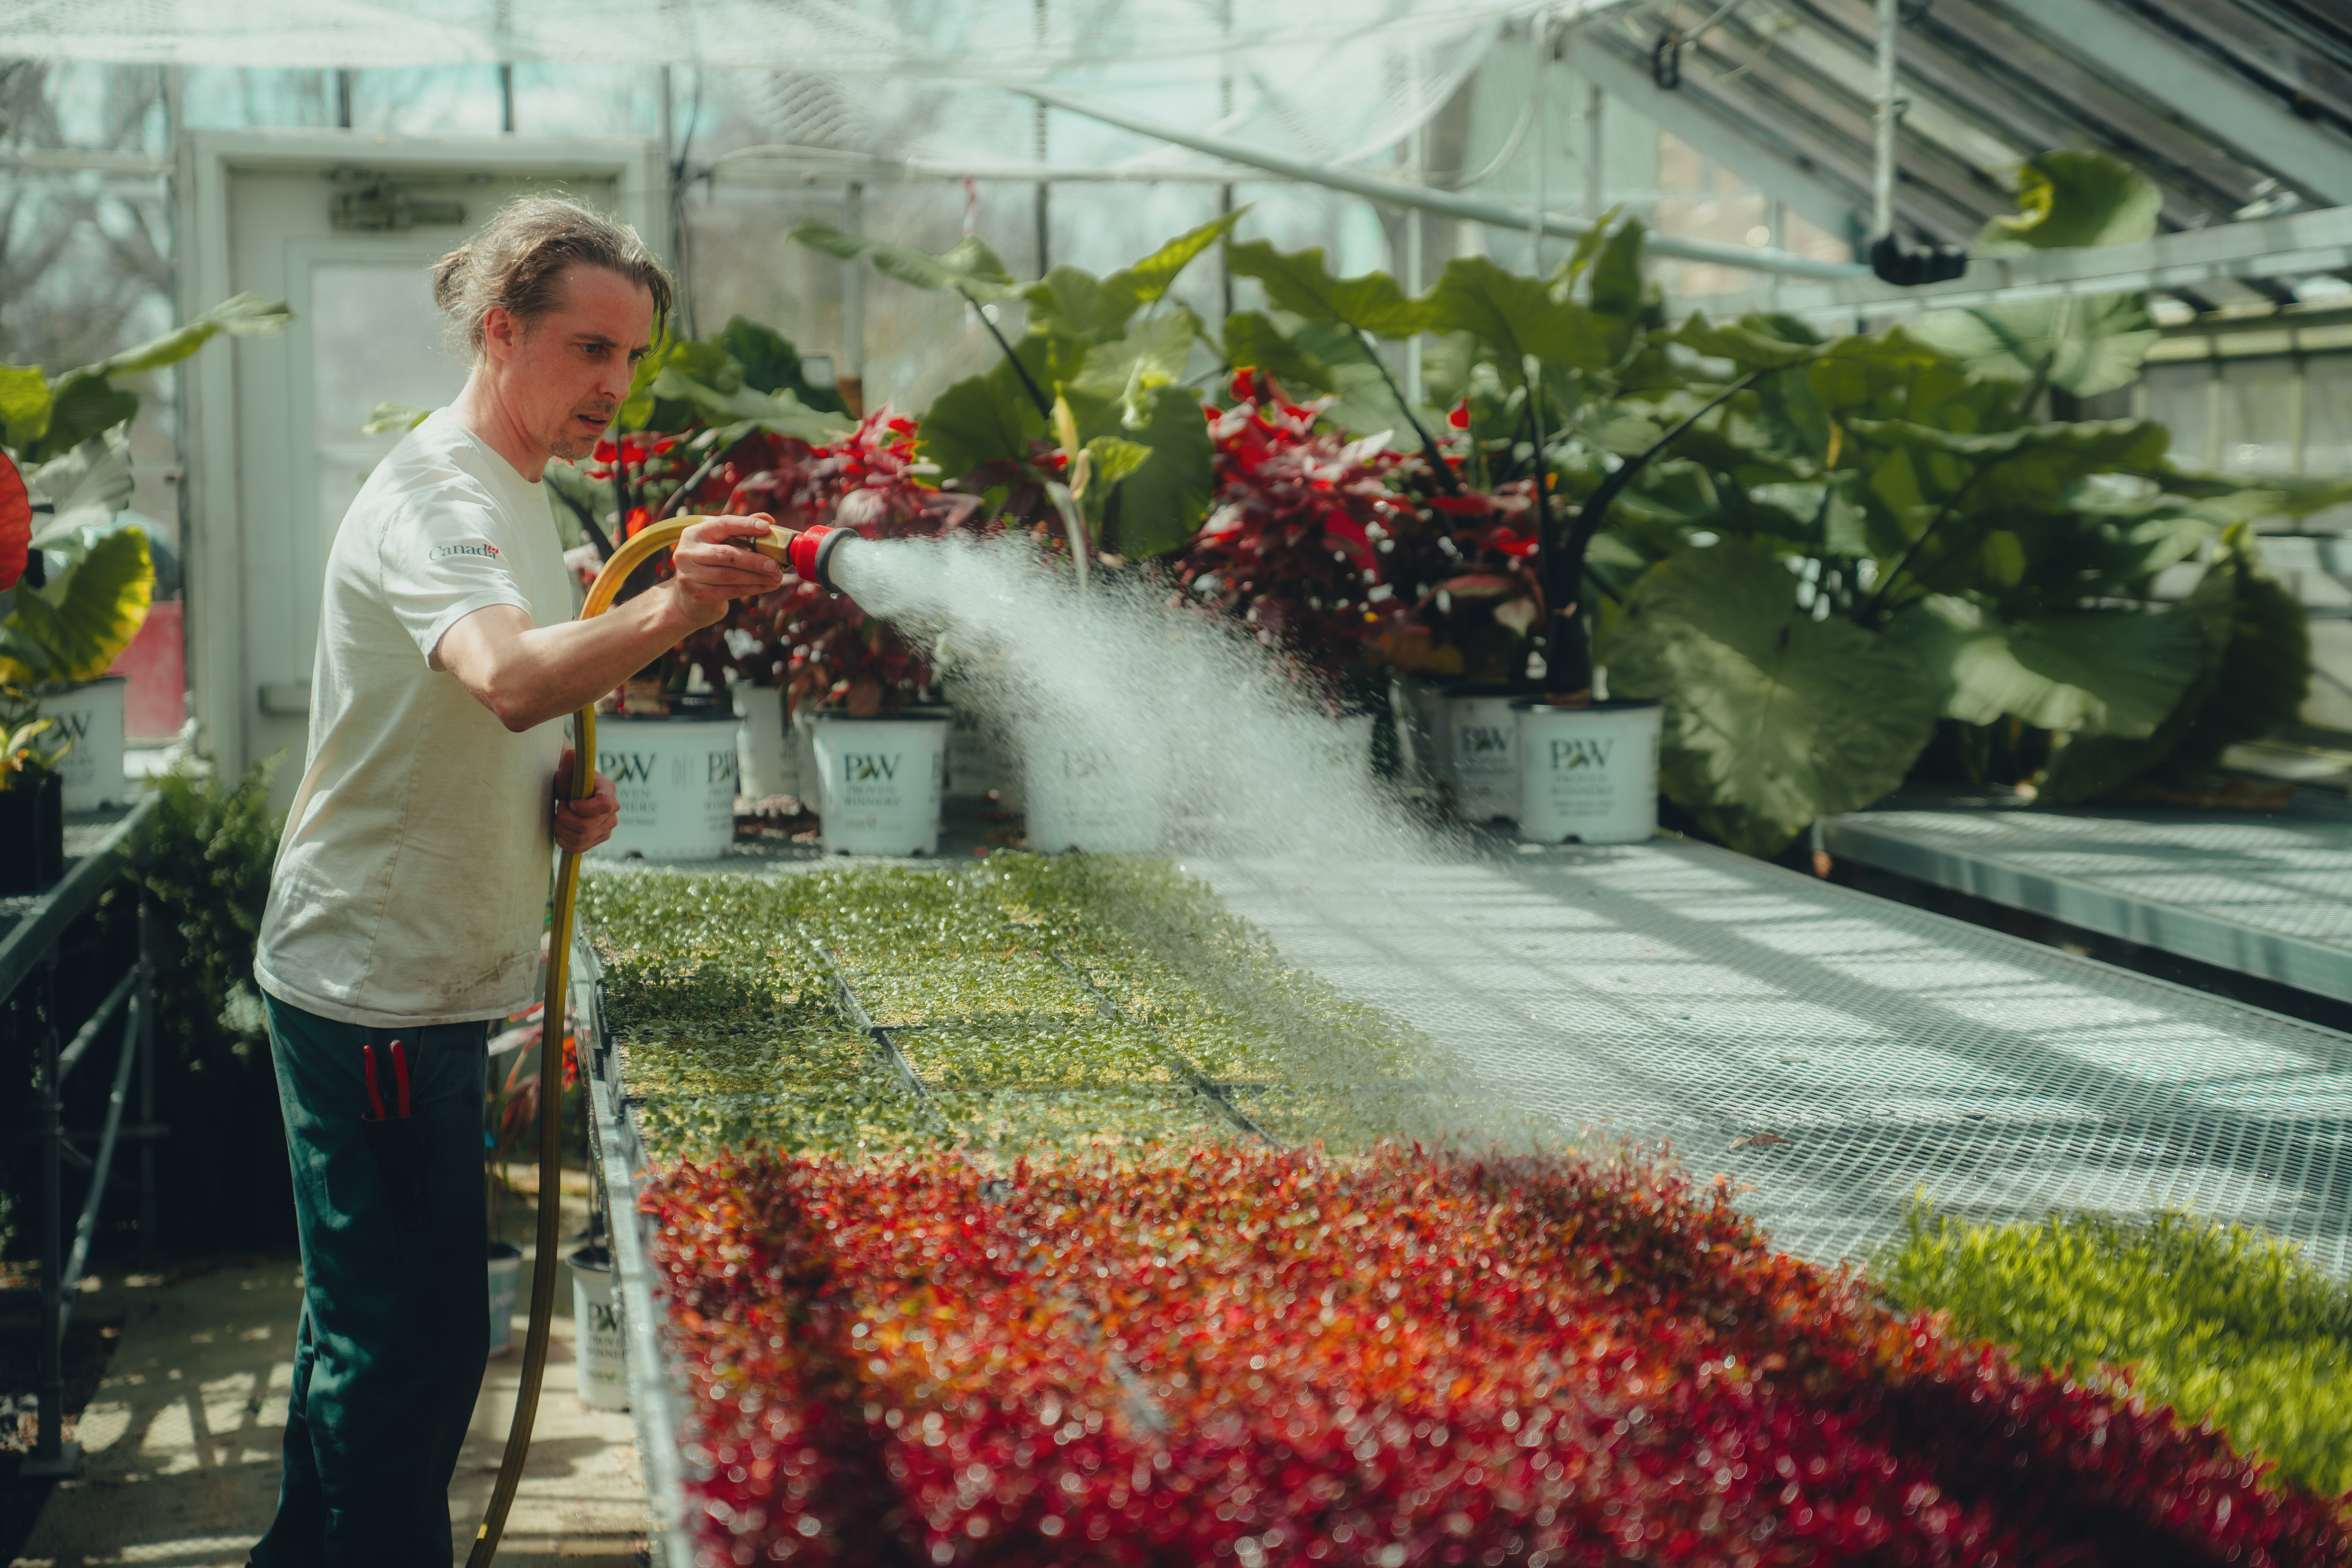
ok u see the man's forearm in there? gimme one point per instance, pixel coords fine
(528, 675)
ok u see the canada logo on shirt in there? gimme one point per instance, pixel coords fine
(487, 552)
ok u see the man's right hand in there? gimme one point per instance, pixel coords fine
(711, 569)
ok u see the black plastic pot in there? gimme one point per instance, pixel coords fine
(32, 833)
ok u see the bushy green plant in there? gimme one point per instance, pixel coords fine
(2218, 1320)
(222, 1179)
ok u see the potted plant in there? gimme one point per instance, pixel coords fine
(32, 809)
(77, 585)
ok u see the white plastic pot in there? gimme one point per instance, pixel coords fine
(1588, 775)
(675, 779)
(1080, 795)
(91, 716)
(599, 1364)
(1482, 751)
(879, 781)
(766, 762)
(506, 1266)
(972, 752)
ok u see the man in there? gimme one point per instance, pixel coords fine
(411, 887)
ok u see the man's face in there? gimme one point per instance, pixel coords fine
(563, 376)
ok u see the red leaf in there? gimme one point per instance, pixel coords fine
(16, 523)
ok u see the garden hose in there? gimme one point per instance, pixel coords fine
(809, 552)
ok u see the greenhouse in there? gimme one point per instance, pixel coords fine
(1415, 782)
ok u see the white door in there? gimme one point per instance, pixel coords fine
(273, 480)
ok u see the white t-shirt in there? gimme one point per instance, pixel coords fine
(412, 881)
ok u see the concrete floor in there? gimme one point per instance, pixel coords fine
(180, 1443)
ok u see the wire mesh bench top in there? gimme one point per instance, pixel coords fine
(2264, 893)
(1677, 992)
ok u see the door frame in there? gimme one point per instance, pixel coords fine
(221, 693)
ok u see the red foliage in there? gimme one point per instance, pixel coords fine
(1337, 551)
(820, 647)
(1276, 1357)
(1300, 532)
(16, 523)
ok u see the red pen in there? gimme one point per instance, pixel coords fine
(375, 1095)
(400, 1070)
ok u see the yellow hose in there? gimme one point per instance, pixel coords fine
(628, 558)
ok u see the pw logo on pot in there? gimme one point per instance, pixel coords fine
(1568, 755)
(865, 767)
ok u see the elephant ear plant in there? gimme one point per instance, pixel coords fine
(1097, 373)
(65, 477)
(1857, 543)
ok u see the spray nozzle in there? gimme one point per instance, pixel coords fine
(810, 552)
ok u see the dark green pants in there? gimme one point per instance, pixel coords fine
(396, 1320)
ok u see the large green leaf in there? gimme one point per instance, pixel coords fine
(2255, 673)
(2071, 199)
(86, 403)
(1071, 303)
(81, 623)
(772, 363)
(25, 400)
(1773, 718)
(2116, 672)
(1148, 279)
(241, 315)
(1162, 503)
(1367, 404)
(1253, 341)
(970, 268)
(779, 411)
(1617, 286)
(1753, 343)
(1516, 316)
(978, 420)
(1299, 283)
(86, 488)
(1126, 368)
(2082, 344)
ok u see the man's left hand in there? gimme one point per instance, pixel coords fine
(582, 825)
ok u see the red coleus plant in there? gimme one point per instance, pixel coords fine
(1302, 531)
(1275, 1357)
(1346, 554)
(821, 647)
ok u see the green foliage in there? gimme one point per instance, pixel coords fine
(1773, 718)
(1038, 1001)
(970, 268)
(2218, 1321)
(684, 380)
(2066, 199)
(2114, 672)
(771, 365)
(982, 419)
(76, 626)
(1085, 346)
(1517, 317)
(2253, 672)
(1300, 283)
(2082, 344)
(221, 1177)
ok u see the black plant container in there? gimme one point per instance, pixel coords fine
(32, 833)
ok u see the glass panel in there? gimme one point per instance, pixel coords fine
(376, 336)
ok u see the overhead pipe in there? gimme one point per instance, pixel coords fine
(1447, 204)
(1889, 260)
